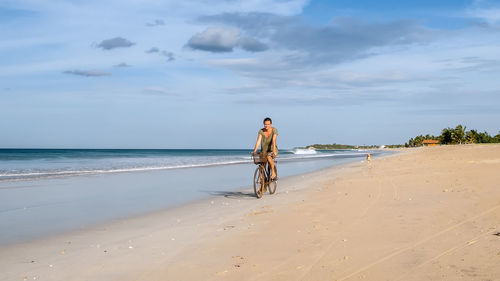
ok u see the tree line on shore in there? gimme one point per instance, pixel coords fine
(338, 146)
(457, 135)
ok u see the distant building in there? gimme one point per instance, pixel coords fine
(430, 142)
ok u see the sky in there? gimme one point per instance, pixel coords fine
(204, 74)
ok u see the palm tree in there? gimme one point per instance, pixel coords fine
(471, 136)
(458, 134)
(484, 137)
(446, 136)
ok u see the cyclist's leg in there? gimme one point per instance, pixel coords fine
(270, 161)
(265, 178)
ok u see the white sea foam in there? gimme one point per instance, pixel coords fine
(73, 172)
(12, 170)
(304, 151)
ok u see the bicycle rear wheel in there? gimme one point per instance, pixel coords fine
(273, 184)
(258, 181)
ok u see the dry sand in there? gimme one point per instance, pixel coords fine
(424, 214)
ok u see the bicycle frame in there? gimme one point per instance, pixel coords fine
(262, 176)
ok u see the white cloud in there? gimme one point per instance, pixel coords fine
(87, 73)
(485, 11)
(168, 55)
(221, 39)
(491, 16)
(215, 39)
(122, 64)
(155, 23)
(342, 40)
(158, 91)
(344, 64)
(438, 73)
(153, 50)
(252, 45)
(113, 43)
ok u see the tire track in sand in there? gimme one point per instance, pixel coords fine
(329, 247)
(420, 242)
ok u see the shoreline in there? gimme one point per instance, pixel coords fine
(429, 213)
(37, 209)
(218, 212)
(63, 174)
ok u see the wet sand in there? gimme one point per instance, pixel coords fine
(38, 208)
(424, 214)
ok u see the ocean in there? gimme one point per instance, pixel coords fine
(50, 191)
(26, 164)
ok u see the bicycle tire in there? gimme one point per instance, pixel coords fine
(258, 182)
(273, 184)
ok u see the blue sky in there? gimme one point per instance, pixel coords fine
(203, 74)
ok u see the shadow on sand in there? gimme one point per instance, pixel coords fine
(233, 194)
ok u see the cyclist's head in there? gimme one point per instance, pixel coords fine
(267, 119)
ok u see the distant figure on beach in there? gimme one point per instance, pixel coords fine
(368, 157)
(266, 139)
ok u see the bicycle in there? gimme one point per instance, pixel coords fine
(262, 176)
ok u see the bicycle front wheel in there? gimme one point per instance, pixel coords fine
(273, 184)
(258, 182)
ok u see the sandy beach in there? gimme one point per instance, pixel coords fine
(430, 213)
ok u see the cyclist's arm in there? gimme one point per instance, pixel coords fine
(275, 136)
(257, 143)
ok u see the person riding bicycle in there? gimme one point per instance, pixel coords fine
(266, 138)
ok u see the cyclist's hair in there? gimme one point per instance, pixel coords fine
(267, 119)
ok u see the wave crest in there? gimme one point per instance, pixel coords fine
(304, 151)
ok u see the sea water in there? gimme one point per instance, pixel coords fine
(49, 191)
(22, 164)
